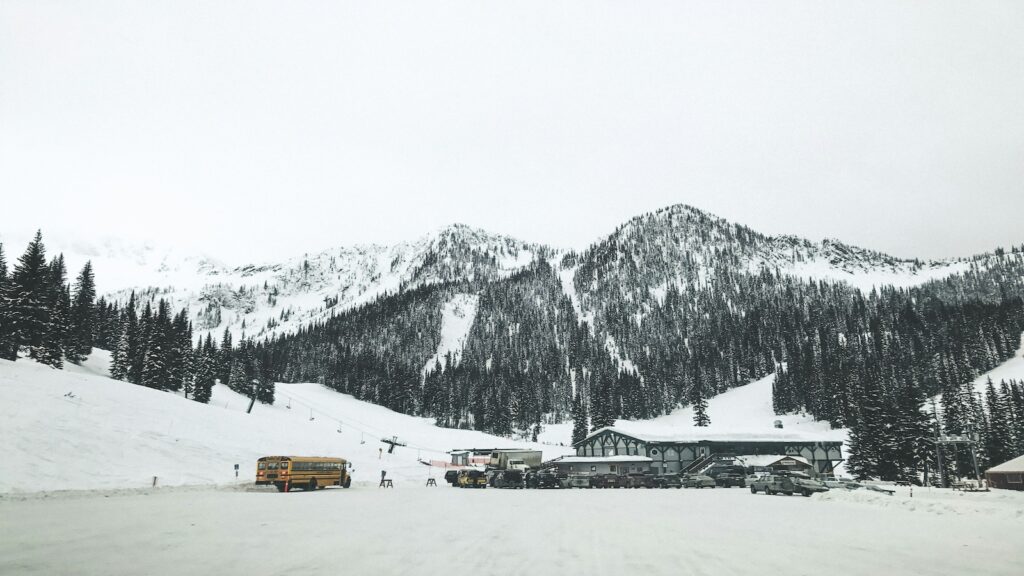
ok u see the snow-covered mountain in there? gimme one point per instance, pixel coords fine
(276, 297)
(685, 247)
(677, 246)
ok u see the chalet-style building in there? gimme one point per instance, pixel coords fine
(687, 452)
(1008, 475)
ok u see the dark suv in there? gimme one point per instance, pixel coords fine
(729, 479)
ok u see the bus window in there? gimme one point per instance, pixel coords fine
(262, 466)
(272, 466)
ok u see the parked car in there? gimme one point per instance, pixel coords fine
(697, 481)
(668, 481)
(580, 481)
(544, 479)
(729, 479)
(773, 484)
(640, 481)
(607, 481)
(472, 479)
(806, 485)
(507, 479)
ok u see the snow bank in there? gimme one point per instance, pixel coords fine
(1002, 504)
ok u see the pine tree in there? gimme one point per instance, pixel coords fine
(225, 363)
(700, 406)
(58, 306)
(81, 331)
(580, 427)
(29, 298)
(125, 364)
(8, 345)
(156, 369)
(913, 427)
(141, 345)
(999, 444)
(206, 370)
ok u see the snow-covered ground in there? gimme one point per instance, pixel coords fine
(418, 530)
(77, 429)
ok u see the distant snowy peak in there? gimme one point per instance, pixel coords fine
(274, 297)
(684, 245)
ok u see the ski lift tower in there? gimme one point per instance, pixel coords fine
(969, 440)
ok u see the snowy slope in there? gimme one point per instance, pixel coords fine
(77, 430)
(457, 318)
(1012, 369)
(742, 412)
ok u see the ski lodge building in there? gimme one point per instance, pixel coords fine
(687, 452)
(1008, 475)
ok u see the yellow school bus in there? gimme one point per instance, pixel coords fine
(306, 472)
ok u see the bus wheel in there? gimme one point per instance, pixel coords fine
(348, 482)
(280, 487)
(312, 484)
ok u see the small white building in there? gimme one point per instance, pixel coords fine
(773, 463)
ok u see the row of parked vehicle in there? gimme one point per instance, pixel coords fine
(550, 478)
(787, 483)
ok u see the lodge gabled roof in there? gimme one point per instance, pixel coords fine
(1015, 465)
(696, 435)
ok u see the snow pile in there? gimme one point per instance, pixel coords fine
(1004, 504)
(76, 430)
(456, 319)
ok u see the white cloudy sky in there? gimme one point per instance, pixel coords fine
(264, 128)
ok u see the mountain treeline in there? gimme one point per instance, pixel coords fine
(50, 320)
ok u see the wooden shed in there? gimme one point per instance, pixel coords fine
(1008, 475)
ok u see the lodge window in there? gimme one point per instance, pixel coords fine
(1013, 478)
(611, 468)
(593, 468)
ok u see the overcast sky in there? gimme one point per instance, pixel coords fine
(258, 129)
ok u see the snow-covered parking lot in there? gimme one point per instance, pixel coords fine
(430, 531)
